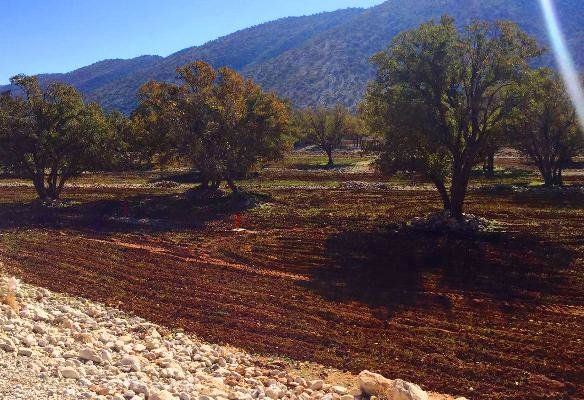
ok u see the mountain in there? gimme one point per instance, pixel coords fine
(93, 77)
(320, 59)
(334, 67)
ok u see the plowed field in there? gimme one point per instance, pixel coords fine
(320, 274)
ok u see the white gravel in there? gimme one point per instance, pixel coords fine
(59, 347)
(62, 347)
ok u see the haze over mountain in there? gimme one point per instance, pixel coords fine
(321, 59)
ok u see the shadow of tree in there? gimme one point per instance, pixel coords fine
(146, 212)
(391, 271)
(567, 197)
(320, 167)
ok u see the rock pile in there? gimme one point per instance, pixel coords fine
(444, 222)
(539, 189)
(58, 347)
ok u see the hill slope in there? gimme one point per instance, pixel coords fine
(334, 66)
(318, 59)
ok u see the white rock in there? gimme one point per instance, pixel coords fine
(90, 354)
(24, 351)
(40, 315)
(7, 344)
(39, 328)
(132, 362)
(29, 341)
(403, 390)
(69, 373)
(139, 388)
(162, 395)
(273, 392)
(106, 356)
(374, 384)
(339, 390)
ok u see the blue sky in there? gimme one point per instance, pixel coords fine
(61, 35)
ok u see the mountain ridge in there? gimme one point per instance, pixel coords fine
(319, 59)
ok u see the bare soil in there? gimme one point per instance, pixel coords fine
(321, 275)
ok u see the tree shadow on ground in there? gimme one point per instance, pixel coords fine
(542, 197)
(502, 173)
(391, 271)
(320, 167)
(147, 212)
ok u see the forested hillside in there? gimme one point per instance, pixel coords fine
(319, 59)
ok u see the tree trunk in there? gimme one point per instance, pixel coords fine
(559, 179)
(458, 190)
(329, 153)
(61, 185)
(39, 185)
(458, 193)
(232, 186)
(439, 183)
(489, 165)
(547, 174)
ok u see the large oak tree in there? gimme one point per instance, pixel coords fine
(223, 123)
(50, 135)
(440, 95)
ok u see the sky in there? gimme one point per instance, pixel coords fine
(39, 36)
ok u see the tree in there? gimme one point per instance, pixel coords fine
(221, 122)
(156, 123)
(325, 127)
(51, 136)
(544, 126)
(356, 130)
(440, 95)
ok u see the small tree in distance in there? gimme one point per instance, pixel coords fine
(51, 136)
(324, 127)
(440, 95)
(544, 126)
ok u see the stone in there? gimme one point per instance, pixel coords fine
(26, 352)
(106, 356)
(403, 390)
(139, 388)
(373, 384)
(90, 354)
(162, 395)
(317, 384)
(339, 390)
(40, 315)
(39, 328)
(132, 362)
(7, 345)
(301, 381)
(69, 373)
(273, 392)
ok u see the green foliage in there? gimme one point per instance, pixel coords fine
(544, 125)
(221, 122)
(441, 95)
(51, 135)
(156, 123)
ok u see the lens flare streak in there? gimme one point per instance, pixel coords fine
(564, 59)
